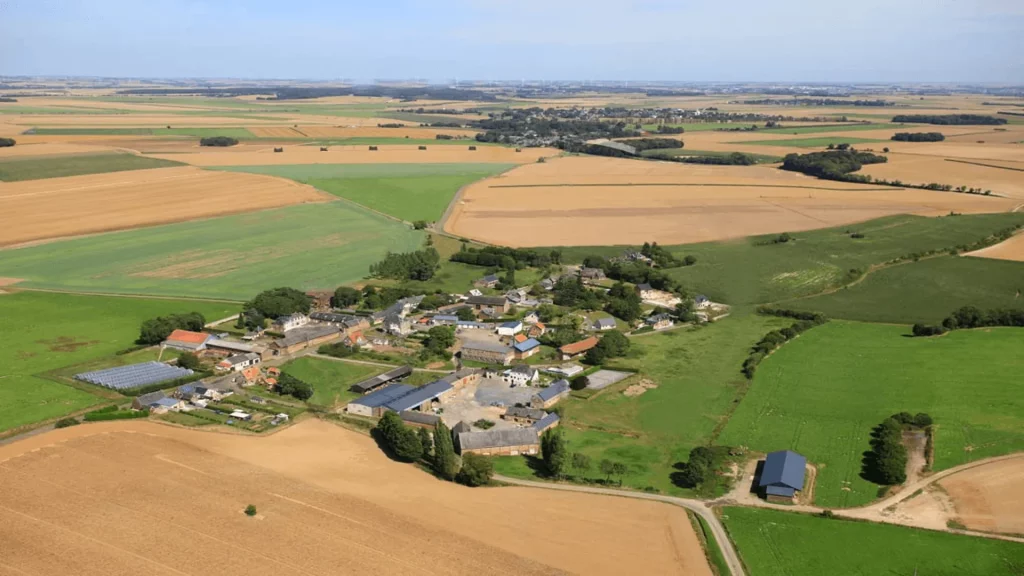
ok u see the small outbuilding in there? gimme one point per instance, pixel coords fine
(782, 475)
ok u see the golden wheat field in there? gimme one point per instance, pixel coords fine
(141, 498)
(57, 207)
(600, 201)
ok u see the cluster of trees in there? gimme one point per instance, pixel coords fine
(375, 298)
(345, 297)
(391, 125)
(918, 137)
(832, 165)
(291, 386)
(783, 238)
(506, 258)
(665, 129)
(623, 302)
(886, 462)
(402, 441)
(972, 317)
(412, 445)
(699, 468)
(663, 258)
(642, 144)
(950, 119)
(733, 159)
(6, 142)
(278, 302)
(222, 141)
(638, 272)
(439, 340)
(156, 330)
(557, 461)
(570, 291)
(443, 125)
(8, 100)
(188, 360)
(525, 123)
(417, 265)
(776, 338)
(613, 344)
(820, 102)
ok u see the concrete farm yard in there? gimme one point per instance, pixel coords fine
(116, 215)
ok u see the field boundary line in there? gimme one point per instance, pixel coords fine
(694, 185)
(439, 226)
(981, 164)
(16, 288)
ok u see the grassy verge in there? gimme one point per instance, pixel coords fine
(710, 544)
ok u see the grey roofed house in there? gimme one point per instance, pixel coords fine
(331, 317)
(592, 273)
(419, 417)
(524, 412)
(384, 395)
(549, 420)
(644, 287)
(783, 473)
(496, 438)
(165, 402)
(442, 319)
(459, 375)
(524, 369)
(418, 396)
(489, 279)
(379, 380)
(151, 398)
(462, 427)
(556, 388)
(655, 318)
(526, 345)
(604, 323)
(229, 345)
(305, 333)
(485, 346)
(486, 301)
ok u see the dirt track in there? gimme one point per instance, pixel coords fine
(140, 498)
(58, 207)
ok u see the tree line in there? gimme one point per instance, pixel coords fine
(7, 142)
(417, 265)
(506, 258)
(776, 338)
(156, 330)
(918, 137)
(222, 141)
(949, 119)
(968, 317)
(642, 144)
(732, 159)
(886, 462)
(436, 450)
(5, 99)
(819, 102)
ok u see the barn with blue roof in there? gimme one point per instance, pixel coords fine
(373, 404)
(782, 475)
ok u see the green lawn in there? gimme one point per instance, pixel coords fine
(743, 272)
(330, 379)
(925, 291)
(55, 167)
(239, 133)
(407, 191)
(41, 332)
(828, 128)
(810, 142)
(306, 246)
(698, 378)
(821, 395)
(774, 543)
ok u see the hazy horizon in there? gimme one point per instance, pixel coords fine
(872, 41)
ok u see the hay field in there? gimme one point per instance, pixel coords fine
(134, 498)
(387, 154)
(56, 207)
(574, 201)
(989, 497)
(1012, 249)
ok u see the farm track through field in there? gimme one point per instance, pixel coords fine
(985, 165)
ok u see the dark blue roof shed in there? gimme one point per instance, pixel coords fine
(384, 395)
(418, 396)
(783, 473)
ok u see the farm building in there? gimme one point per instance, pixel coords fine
(144, 401)
(134, 375)
(531, 317)
(373, 404)
(524, 415)
(489, 352)
(537, 330)
(603, 324)
(444, 320)
(304, 337)
(422, 397)
(499, 442)
(659, 321)
(701, 301)
(782, 475)
(463, 377)
(489, 305)
(187, 340)
(346, 321)
(547, 422)
(419, 419)
(520, 375)
(566, 370)
(290, 322)
(371, 384)
(222, 347)
(470, 325)
(355, 339)
(570, 351)
(550, 396)
(397, 325)
(165, 405)
(526, 348)
(489, 281)
(592, 274)
(238, 362)
(510, 328)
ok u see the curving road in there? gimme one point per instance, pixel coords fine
(697, 506)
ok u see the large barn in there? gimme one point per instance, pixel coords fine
(782, 475)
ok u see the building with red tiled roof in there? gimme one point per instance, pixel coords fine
(570, 351)
(187, 340)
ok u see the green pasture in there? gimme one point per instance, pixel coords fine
(775, 543)
(925, 291)
(306, 246)
(58, 166)
(407, 191)
(749, 271)
(822, 393)
(41, 332)
(697, 371)
(239, 133)
(821, 142)
(330, 378)
(9, 108)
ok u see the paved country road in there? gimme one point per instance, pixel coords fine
(697, 506)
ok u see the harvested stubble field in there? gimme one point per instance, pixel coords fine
(593, 201)
(133, 498)
(1012, 249)
(1002, 178)
(387, 154)
(28, 150)
(337, 132)
(58, 207)
(990, 497)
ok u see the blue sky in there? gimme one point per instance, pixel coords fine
(684, 40)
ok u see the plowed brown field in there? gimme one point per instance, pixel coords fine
(139, 498)
(989, 497)
(56, 207)
(574, 201)
(295, 154)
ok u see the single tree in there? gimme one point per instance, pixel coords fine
(619, 469)
(476, 470)
(444, 461)
(345, 296)
(426, 442)
(580, 463)
(607, 467)
(465, 314)
(553, 452)
(188, 360)
(250, 510)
